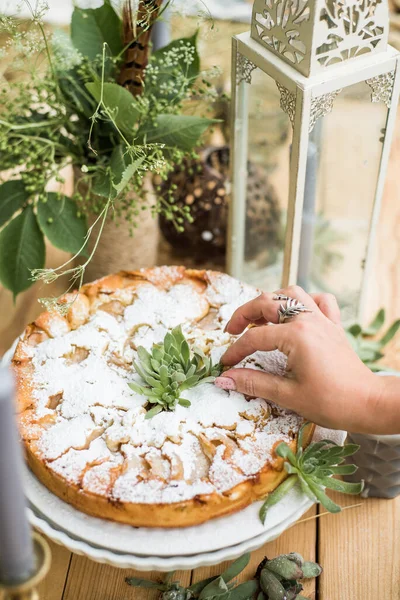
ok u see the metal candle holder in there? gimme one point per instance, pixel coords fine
(27, 589)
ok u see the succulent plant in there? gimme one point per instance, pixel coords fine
(275, 579)
(169, 369)
(313, 469)
(370, 350)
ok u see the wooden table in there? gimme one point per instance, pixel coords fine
(358, 548)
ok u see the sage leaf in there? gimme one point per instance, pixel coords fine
(119, 104)
(197, 587)
(59, 221)
(91, 27)
(217, 587)
(13, 196)
(244, 591)
(236, 567)
(177, 131)
(21, 250)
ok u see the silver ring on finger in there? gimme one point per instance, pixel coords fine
(291, 308)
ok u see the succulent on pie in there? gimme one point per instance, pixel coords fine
(85, 430)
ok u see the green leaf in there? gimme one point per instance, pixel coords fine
(391, 332)
(59, 221)
(355, 330)
(311, 569)
(244, 591)
(90, 28)
(277, 495)
(119, 103)
(214, 588)
(349, 450)
(376, 324)
(197, 587)
(21, 249)
(323, 498)
(128, 174)
(153, 411)
(271, 585)
(176, 131)
(344, 470)
(145, 583)
(12, 198)
(102, 185)
(341, 486)
(284, 567)
(236, 567)
(184, 402)
(284, 451)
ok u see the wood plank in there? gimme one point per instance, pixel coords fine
(299, 538)
(52, 587)
(359, 550)
(88, 580)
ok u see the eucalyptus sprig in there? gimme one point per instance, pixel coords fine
(371, 350)
(62, 105)
(170, 369)
(313, 468)
(275, 579)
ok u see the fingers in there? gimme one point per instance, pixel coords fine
(258, 338)
(256, 384)
(295, 291)
(264, 309)
(258, 311)
(327, 304)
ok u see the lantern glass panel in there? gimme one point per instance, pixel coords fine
(269, 140)
(344, 154)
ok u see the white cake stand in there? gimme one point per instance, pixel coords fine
(150, 549)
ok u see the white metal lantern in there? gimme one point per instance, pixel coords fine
(327, 65)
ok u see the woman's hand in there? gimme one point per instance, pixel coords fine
(326, 382)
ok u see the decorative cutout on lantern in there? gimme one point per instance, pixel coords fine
(352, 28)
(280, 25)
(321, 106)
(288, 102)
(314, 34)
(382, 87)
(244, 69)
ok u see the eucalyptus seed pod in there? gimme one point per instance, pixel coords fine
(284, 567)
(271, 586)
(311, 569)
